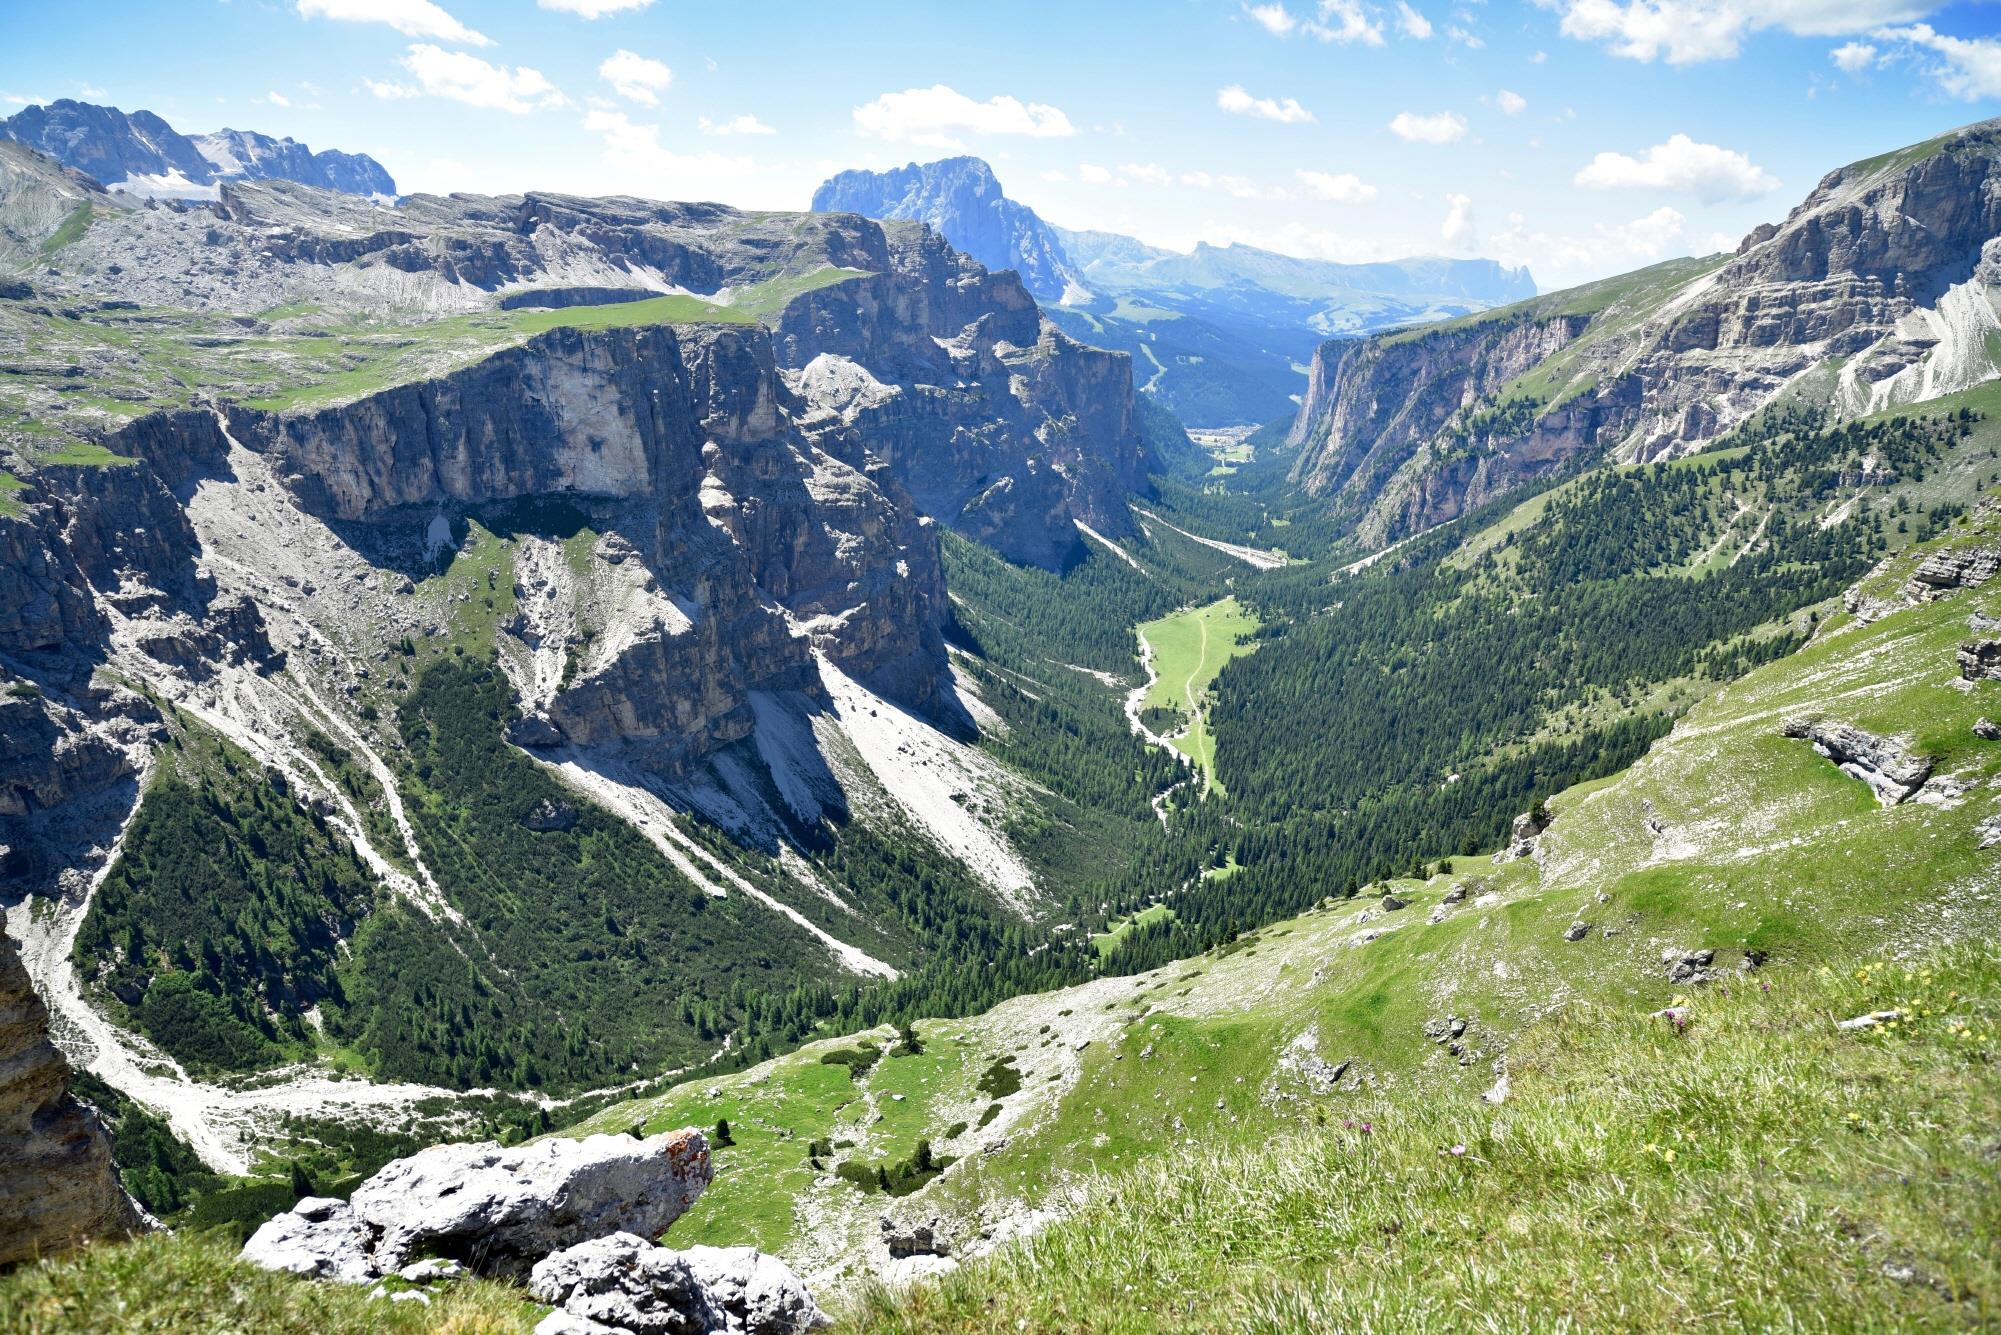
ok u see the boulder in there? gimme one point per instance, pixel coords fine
(535, 732)
(500, 1210)
(496, 1210)
(1577, 931)
(623, 1283)
(1391, 903)
(1688, 966)
(1987, 730)
(318, 1238)
(926, 1239)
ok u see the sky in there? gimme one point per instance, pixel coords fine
(1578, 137)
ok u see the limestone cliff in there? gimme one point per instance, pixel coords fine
(1879, 288)
(57, 1183)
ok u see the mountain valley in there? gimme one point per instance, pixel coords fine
(1093, 827)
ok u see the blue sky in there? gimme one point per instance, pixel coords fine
(1579, 137)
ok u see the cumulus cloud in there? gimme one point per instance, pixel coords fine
(636, 78)
(1274, 19)
(1444, 128)
(1684, 31)
(1338, 188)
(1090, 173)
(593, 9)
(1284, 110)
(412, 18)
(1411, 23)
(1510, 103)
(1341, 21)
(1152, 173)
(1573, 255)
(1457, 230)
(467, 78)
(1968, 67)
(1853, 57)
(745, 124)
(934, 116)
(1707, 171)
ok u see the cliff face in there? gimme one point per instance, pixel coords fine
(1879, 288)
(949, 378)
(57, 1183)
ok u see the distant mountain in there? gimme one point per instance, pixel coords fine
(962, 202)
(1222, 334)
(140, 153)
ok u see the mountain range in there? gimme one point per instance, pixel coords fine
(514, 668)
(141, 154)
(1221, 333)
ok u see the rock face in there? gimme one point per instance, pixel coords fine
(623, 1283)
(496, 1210)
(1893, 773)
(1942, 572)
(1980, 660)
(961, 201)
(141, 152)
(58, 1186)
(1878, 288)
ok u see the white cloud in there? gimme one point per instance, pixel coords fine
(1242, 187)
(1444, 128)
(1465, 38)
(1284, 110)
(1707, 171)
(1340, 188)
(1969, 68)
(1458, 226)
(412, 18)
(1152, 173)
(1411, 23)
(593, 9)
(1345, 21)
(643, 165)
(932, 116)
(1274, 19)
(1056, 176)
(1690, 30)
(391, 92)
(1510, 103)
(1853, 57)
(1090, 173)
(277, 99)
(745, 124)
(1539, 58)
(467, 78)
(636, 78)
(1573, 256)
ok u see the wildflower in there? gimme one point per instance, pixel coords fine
(1764, 987)
(1368, 1128)
(1348, 1123)
(1458, 1151)
(1668, 1154)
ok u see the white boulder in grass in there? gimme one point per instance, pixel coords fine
(499, 1210)
(625, 1284)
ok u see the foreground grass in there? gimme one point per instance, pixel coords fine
(165, 1283)
(1760, 1169)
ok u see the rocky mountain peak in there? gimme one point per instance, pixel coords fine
(139, 152)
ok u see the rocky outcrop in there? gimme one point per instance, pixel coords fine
(498, 1211)
(1892, 772)
(58, 1186)
(624, 1285)
(1980, 660)
(1942, 572)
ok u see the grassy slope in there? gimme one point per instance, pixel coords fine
(1766, 847)
(1189, 649)
(1762, 1169)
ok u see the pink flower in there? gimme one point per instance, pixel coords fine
(1368, 1127)
(1458, 1151)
